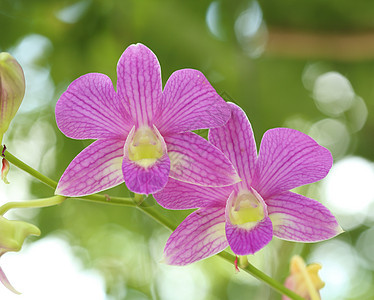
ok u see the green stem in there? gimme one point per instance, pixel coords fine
(108, 200)
(53, 184)
(138, 198)
(250, 269)
(151, 211)
(243, 261)
(20, 164)
(32, 204)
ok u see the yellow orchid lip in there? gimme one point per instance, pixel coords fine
(145, 147)
(248, 207)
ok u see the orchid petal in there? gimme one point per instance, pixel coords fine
(244, 241)
(237, 142)
(4, 280)
(298, 218)
(96, 168)
(149, 175)
(139, 83)
(247, 238)
(180, 195)
(189, 102)
(288, 159)
(200, 235)
(88, 109)
(147, 180)
(195, 160)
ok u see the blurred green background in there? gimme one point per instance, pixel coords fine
(307, 65)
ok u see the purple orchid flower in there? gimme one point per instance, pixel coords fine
(143, 133)
(245, 216)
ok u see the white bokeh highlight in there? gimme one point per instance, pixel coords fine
(349, 190)
(47, 269)
(333, 93)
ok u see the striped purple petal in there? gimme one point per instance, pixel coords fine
(139, 83)
(298, 218)
(96, 168)
(189, 102)
(236, 141)
(200, 235)
(195, 160)
(288, 159)
(89, 109)
(247, 238)
(244, 241)
(146, 180)
(180, 195)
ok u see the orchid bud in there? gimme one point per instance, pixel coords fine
(304, 280)
(12, 236)
(4, 170)
(12, 90)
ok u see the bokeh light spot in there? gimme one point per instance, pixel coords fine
(349, 189)
(333, 93)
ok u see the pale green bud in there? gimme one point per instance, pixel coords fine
(12, 90)
(12, 236)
